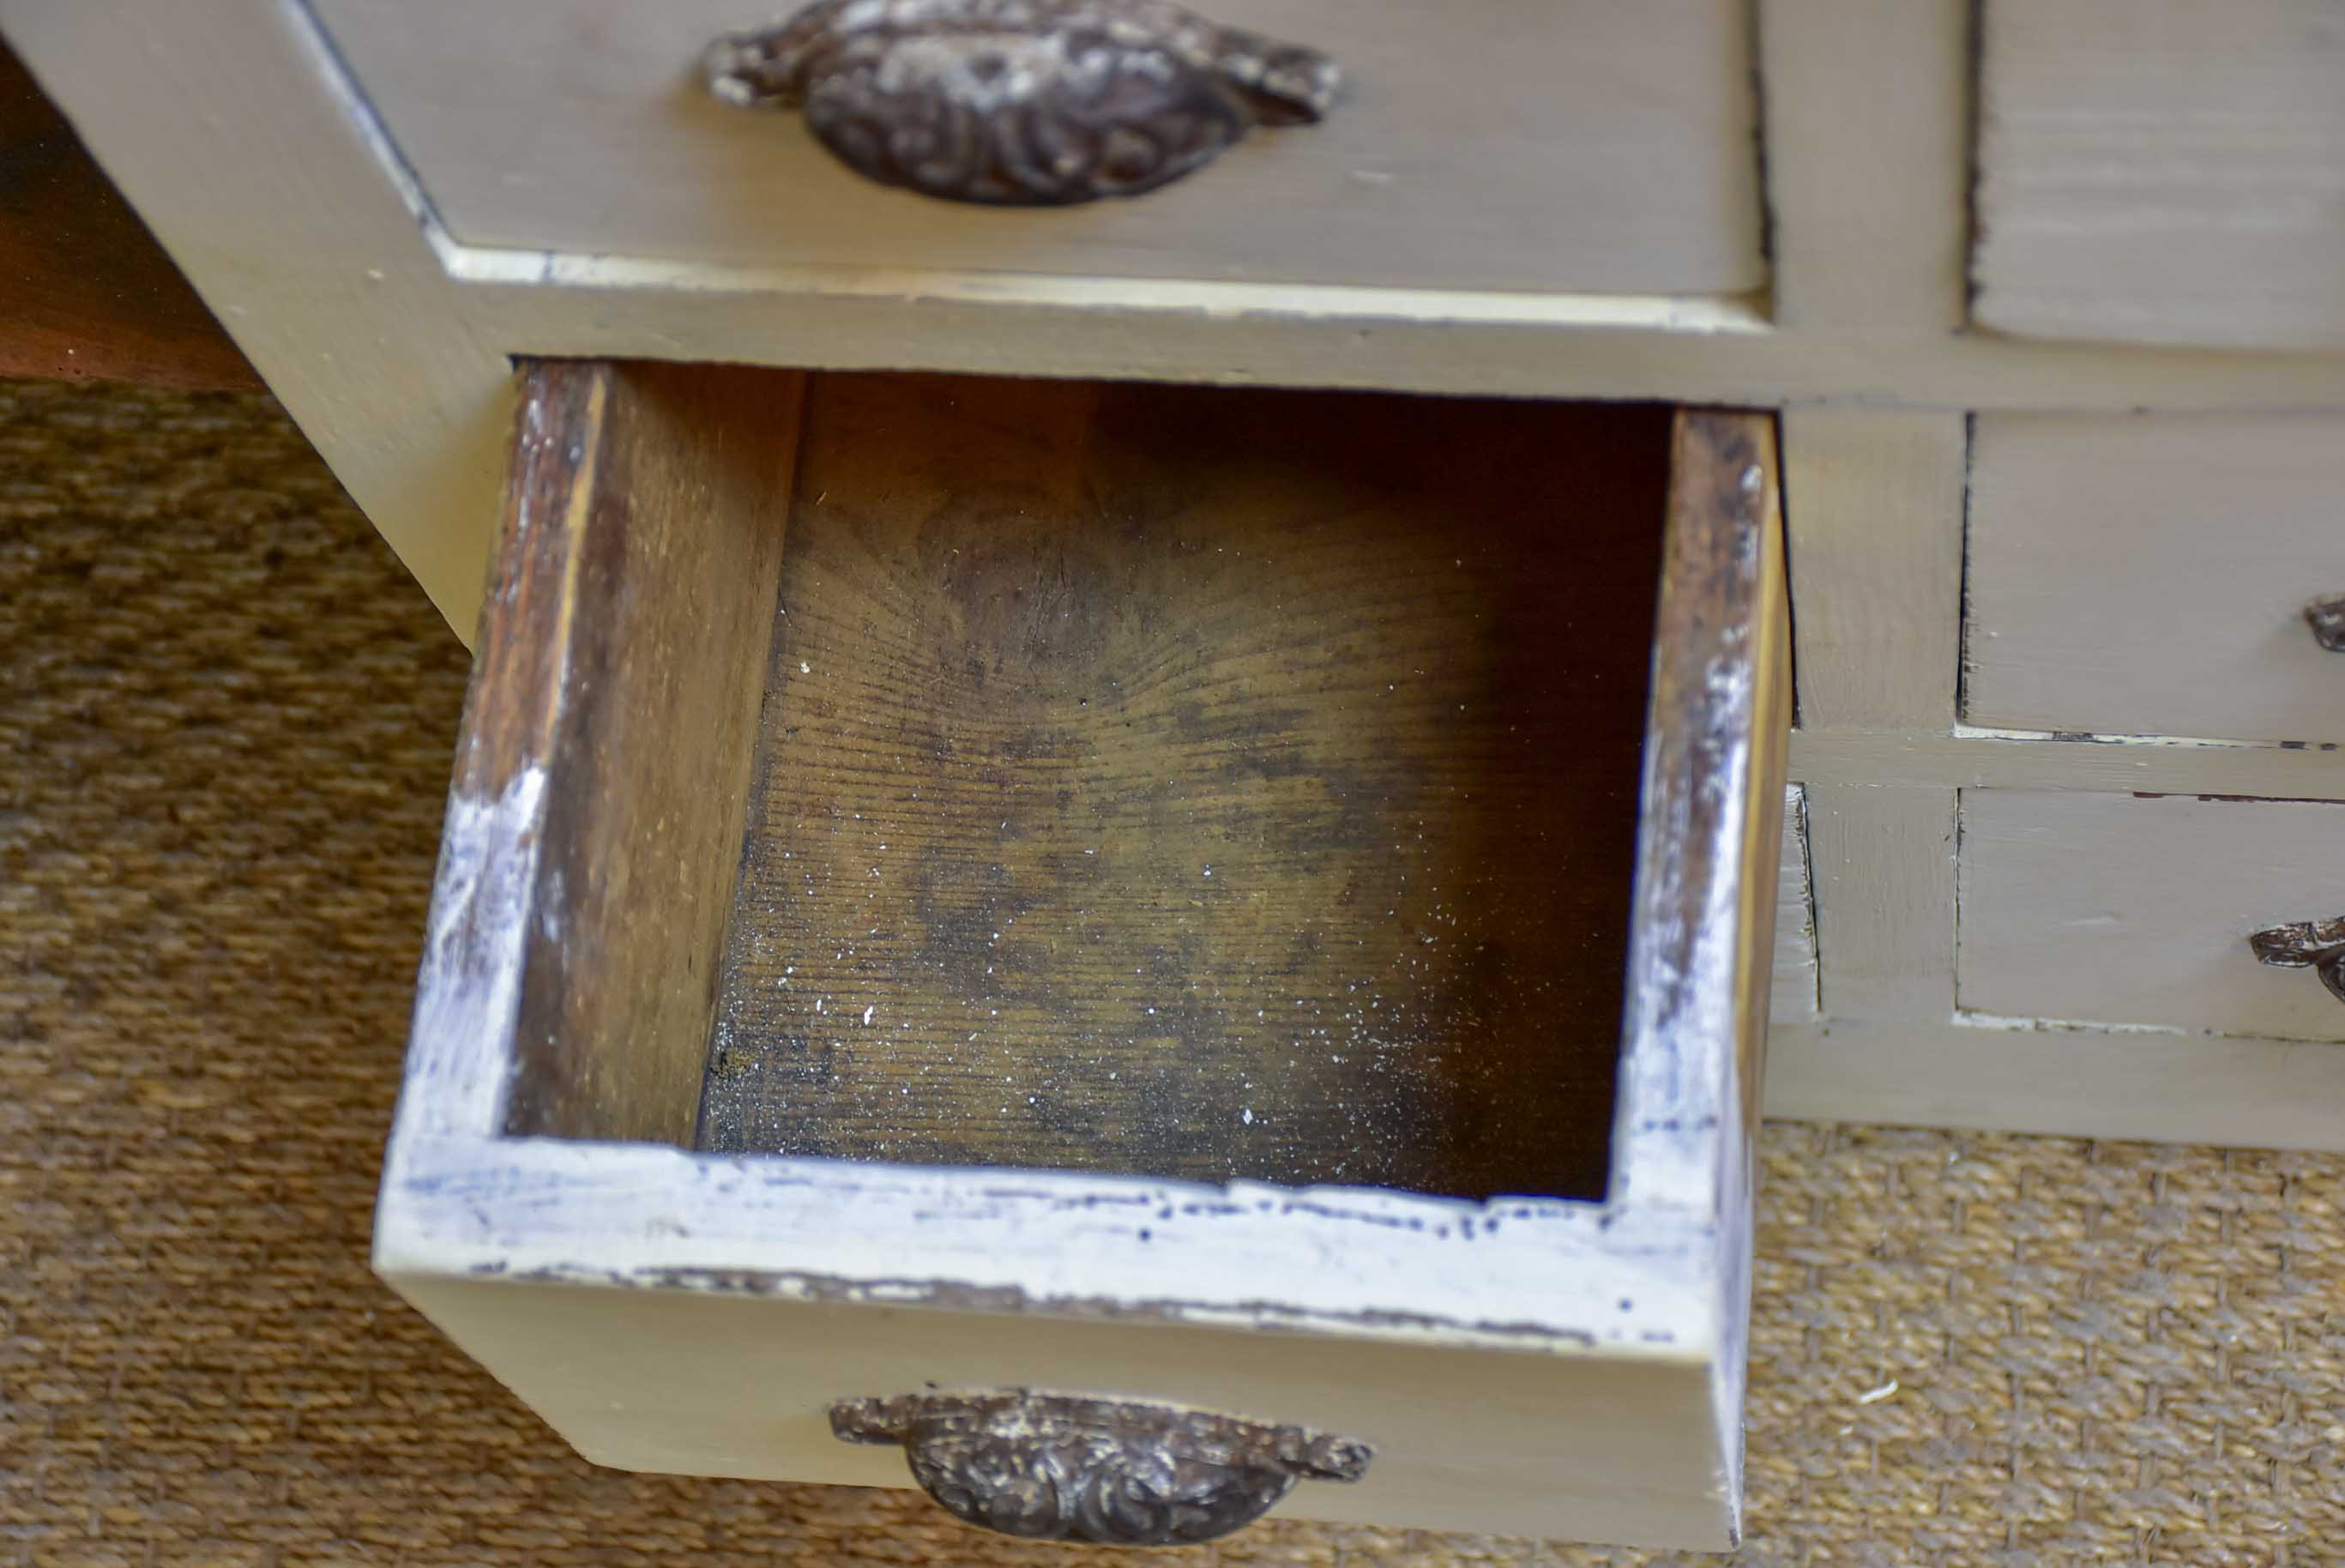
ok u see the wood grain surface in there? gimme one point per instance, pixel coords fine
(616, 683)
(1204, 784)
(2162, 171)
(86, 293)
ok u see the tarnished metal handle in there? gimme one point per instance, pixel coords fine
(1060, 1467)
(2326, 618)
(2315, 945)
(1021, 103)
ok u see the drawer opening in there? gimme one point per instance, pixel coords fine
(1178, 782)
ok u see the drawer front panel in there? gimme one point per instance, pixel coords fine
(1566, 144)
(2163, 172)
(2120, 908)
(2145, 575)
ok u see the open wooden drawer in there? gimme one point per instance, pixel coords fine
(1196, 903)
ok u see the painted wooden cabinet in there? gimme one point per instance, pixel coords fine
(2040, 300)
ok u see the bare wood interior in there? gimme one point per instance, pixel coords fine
(619, 659)
(1197, 783)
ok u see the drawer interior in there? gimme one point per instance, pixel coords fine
(792, 691)
(1212, 784)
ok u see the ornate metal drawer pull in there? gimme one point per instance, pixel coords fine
(1021, 103)
(2315, 945)
(2326, 618)
(1056, 1467)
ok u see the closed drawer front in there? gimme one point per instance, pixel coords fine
(2151, 576)
(2118, 909)
(1205, 905)
(1575, 146)
(2163, 172)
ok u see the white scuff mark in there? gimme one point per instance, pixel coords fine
(1874, 1396)
(469, 992)
(549, 907)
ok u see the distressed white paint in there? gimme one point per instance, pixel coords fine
(2149, 574)
(468, 991)
(1534, 1366)
(1679, 1137)
(1523, 1274)
(2121, 910)
(1573, 144)
(2164, 171)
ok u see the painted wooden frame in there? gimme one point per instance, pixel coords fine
(1541, 1366)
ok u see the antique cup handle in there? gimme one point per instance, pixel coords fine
(2327, 619)
(1057, 1467)
(2318, 945)
(1020, 103)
